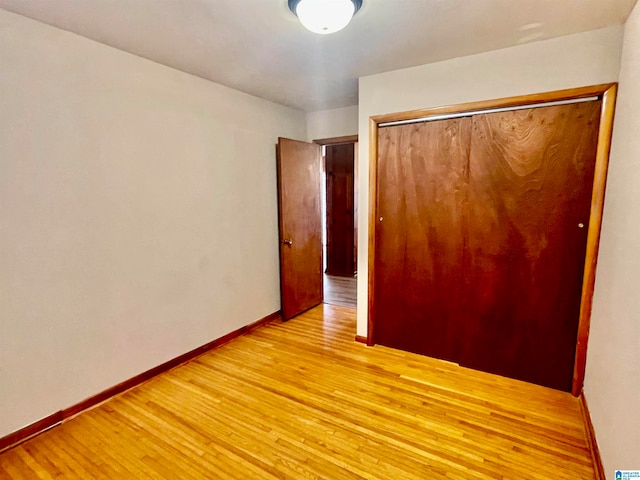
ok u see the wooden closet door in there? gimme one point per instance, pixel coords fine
(531, 177)
(422, 189)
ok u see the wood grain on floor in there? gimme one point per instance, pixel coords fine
(302, 400)
(340, 291)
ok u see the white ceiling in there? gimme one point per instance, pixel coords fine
(259, 47)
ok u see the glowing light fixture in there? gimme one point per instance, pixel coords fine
(325, 16)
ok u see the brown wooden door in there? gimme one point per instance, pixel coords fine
(422, 185)
(531, 177)
(299, 170)
(339, 161)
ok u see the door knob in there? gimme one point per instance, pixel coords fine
(287, 241)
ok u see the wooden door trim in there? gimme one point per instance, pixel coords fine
(373, 222)
(336, 140)
(608, 93)
(556, 96)
(593, 235)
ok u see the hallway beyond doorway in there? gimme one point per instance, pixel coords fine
(340, 291)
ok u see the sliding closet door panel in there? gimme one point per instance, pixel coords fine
(531, 176)
(422, 190)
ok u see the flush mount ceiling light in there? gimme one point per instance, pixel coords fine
(324, 16)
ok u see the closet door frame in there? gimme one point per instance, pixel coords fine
(607, 92)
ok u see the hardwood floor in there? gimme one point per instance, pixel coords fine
(340, 291)
(302, 400)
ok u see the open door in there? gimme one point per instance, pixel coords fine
(299, 211)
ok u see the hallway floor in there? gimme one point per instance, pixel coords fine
(340, 291)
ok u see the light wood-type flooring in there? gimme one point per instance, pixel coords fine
(303, 400)
(340, 291)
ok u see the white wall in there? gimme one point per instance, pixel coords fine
(576, 60)
(138, 215)
(339, 122)
(612, 383)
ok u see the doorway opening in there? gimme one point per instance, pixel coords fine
(339, 219)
